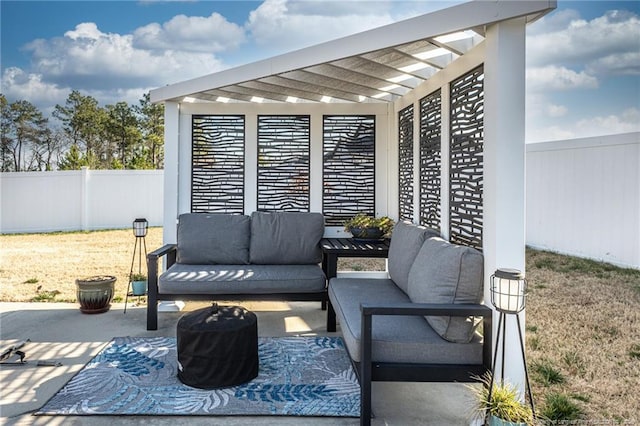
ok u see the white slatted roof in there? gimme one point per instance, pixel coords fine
(378, 65)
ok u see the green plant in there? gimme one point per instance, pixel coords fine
(45, 296)
(504, 404)
(634, 352)
(559, 407)
(31, 281)
(363, 220)
(138, 277)
(546, 374)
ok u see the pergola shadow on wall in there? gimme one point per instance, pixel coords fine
(420, 120)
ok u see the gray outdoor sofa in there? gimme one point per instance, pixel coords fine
(265, 256)
(419, 325)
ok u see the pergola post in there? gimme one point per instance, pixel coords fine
(504, 167)
(171, 139)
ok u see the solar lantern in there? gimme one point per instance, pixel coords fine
(140, 227)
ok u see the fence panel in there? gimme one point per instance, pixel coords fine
(79, 200)
(583, 197)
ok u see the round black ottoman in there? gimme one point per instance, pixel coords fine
(217, 347)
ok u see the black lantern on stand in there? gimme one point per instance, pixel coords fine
(508, 295)
(140, 227)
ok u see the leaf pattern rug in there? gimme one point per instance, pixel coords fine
(298, 376)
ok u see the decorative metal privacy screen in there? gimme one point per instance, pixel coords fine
(405, 166)
(283, 163)
(430, 160)
(466, 159)
(349, 167)
(217, 172)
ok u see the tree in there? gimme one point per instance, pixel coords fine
(83, 123)
(121, 130)
(23, 128)
(151, 119)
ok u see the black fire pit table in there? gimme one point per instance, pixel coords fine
(217, 347)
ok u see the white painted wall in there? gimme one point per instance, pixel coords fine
(583, 197)
(79, 200)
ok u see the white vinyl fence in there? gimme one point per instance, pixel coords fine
(583, 198)
(79, 200)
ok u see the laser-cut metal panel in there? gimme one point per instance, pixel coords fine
(405, 166)
(349, 167)
(217, 172)
(283, 162)
(430, 160)
(466, 159)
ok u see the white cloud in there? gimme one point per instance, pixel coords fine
(625, 122)
(191, 33)
(556, 110)
(87, 58)
(558, 78)
(564, 38)
(278, 22)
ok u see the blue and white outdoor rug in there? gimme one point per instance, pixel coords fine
(298, 376)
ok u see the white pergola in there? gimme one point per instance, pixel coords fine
(380, 72)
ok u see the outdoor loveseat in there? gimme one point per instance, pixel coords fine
(420, 324)
(265, 256)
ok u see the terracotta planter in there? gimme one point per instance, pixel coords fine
(95, 293)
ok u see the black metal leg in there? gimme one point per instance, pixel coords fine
(365, 371)
(331, 318)
(526, 370)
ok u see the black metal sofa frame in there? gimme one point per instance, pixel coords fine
(169, 251)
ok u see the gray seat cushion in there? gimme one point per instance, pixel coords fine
(213, 238)
(407, 339)
(448, 273)
(285, 238)
(241, 279)
(406, 241)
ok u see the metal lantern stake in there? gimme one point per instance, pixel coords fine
(508, 295)
(140, 227)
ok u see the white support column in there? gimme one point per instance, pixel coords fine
(171, 163)
(416, 161)
(316, 162)
(504, 168)
(251, 163)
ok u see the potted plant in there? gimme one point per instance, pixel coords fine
(504, 408)
(139, 284)
(95, 293)
(363, 226)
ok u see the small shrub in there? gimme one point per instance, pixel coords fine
(31, 281)
(559, 408)
(45, 296)
(532, 328)
(117, 299)
(546, 374)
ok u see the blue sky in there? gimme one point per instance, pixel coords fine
(583, 60)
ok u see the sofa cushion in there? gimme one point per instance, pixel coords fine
(394, 338)
(406, 241)
(241, 279)
(285, 238)
(213, 238)
(447, 273)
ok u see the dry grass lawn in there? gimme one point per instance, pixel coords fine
(583, 317)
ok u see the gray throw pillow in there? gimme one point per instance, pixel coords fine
(205, 239)
(286, 238)
(406, 241)
(448, 273)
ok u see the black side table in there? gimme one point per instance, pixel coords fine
(333, 248)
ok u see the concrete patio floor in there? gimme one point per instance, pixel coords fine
(60, 332)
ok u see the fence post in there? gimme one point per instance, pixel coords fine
(84, 195)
